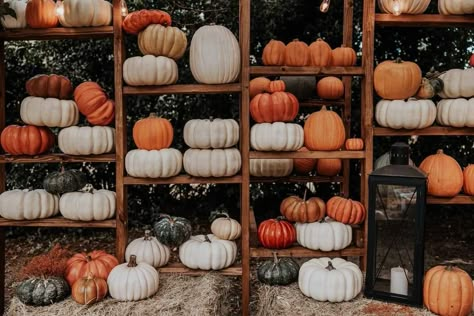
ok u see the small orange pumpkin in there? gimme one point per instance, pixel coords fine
(276, 86)
(274, 53)
(41, 14)
(297, 54)
(343, 57)
(345, 210)
(320, 53)
(93, 103)
(49, 86)
(275, 107)
(153, 132)
(330, 88)
(26, 140)
(324, 130)
(258, 85)
(397, 79)
(303, 210)
(89, 290)
(468, 180)
(354, 144)
(328, 167)
(137, 21)
(304, 165)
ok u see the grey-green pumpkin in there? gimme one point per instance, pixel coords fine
(63, 181)
(40, 291)
(279, 271)
(172, 231)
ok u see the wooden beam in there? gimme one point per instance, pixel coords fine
(181, 179)
(57, 33)
(342, 154)
(181, 269)
(183, 89)
(429, 131)
(424, 20)
(301, 252)
(458, 199)
(308, 71)
(56, 158)
(57, 221)
(298, 179)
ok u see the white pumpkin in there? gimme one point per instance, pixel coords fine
(88, 205)
(78, 13)
(9, 22)
(448, 7)
(207, 252)
(458, 83)
(149, 250)
(159, 40)
(325, 235)
(162, 163)
(409, 114)
(213, 133)
(334, 280)
(28, 205)
(212, 162)
(133, 281)
(49, 112)
(150, 71)
(226, 228)
(456, 112)
(271, 167)
(384, 160)
(406, 6)
(87, 140)
(214, 55)
(276, 136)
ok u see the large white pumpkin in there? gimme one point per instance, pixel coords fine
(456, 112)
(212, 162)
(326, 235)
(276, 136)
(87, 140)
(406, 6)
(28, 205)
(207, 252)
(271, 167)
(92, 205)
(458, 83)
(150, 71)
(448, 7)
(214, 55)
(159, 40)
(132, 281)
(409, 114)
(9, 22)
(213, 133)
(78, 13)
(49, 112)
(334, 280)
(162, 163)
(149, 250)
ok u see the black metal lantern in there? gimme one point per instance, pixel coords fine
(397, 201)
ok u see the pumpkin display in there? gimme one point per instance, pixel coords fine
(455, 112)
(207, 252)
(214, 55)
(212, 162)
(211, 133)
(301, 86)
(456, 83)
(87, 140)
(149, 250)
(153, 132)
(150, 71)
(274, 53)
(258, 85)
(324, 130)
(97, 262)
(172, 231)
(456, 7)
(93, 103)
(279, 271)
(276, 233)
(79, 13)
(9, 22)
(276, 136)
(271, 167)
(328, 167)
(429, 88)
(159, 40)
(468, 180)
(274, 107)
(163, 163)
(59, 182)
(89, 290)
(325, 235)
(384, 160)
(49, 112)
(28, 205)
(445, 178)
(26, 140)
(397, 79)
(42, 291)
(49, 86)
(448, 291)
(132, 281)
(302, 210)
(89, 205)
(320, 53)
(224, 227)
(343, 57)
(137, 21)
(407, 114)
(345, 210)
(406, 6)
(41, 14)
(333, 280)
(304, 165)
(297, 54)
(354, 144)
(330, 88)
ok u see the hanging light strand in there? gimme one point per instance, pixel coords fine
(324, 7)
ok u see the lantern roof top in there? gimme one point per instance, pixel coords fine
(399, 171)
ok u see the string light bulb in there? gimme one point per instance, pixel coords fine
(396, 7)
(324, 7)
(123, 8)
(59, 9)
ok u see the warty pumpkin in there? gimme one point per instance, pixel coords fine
(275, 107)
(406, 6)
(468, 180)
(97, 262)
(159, 40)
(89, 290)
(49, 86)
(304, 165)
(9, 22)
(93, 103)
(328, 167)
(163, 163)
(276, 233)
(41, 14)
(320, 53)
(276, 136)
(297, 54)
(26, 140)
(153, 132)
(137, 21)
(86, 140)
(49, 112)
(455, 112)
(330, 88)
(343, 57)
(274, 53)
(346, 211)
(324, 130)
(150, 71)
(80, 13)
(407, 114)
(303, 210)
(397, 79)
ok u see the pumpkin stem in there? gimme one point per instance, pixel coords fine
(275, 258)
(304, 195)
(206, 239)
(450, 267)
(280, 218)
(61, 167)
(398, 60)
(330, 267)
(133, 261)
(439, 151)
(163, 215)
(88, 258)
(147, 235)
(88, 188)
(324, 108)
(90, 276)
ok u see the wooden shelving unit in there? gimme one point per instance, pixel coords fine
(305, 71)
(342, 154)
(59, 33)
(429, 131)
(235, 270)
(301, 252)
(56, 158)
(424, 20)
(58, 221)
(184, 89)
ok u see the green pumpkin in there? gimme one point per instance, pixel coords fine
(279, 271)
(40, 291)
(172, 231)
(63, 181)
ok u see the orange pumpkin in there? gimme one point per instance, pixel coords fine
(49, 86)
(343, 57)
(41, 14)
(276, 86)
(297, 54)
(345, 210)
(320, 53)
(93, 103)
(89, 290)
(448, 291)
(445, 178)
(97, 262)
(468, 180)
(274, 53)
(153, 132)
(324, 130)
(274, 107)
(258, 85)
(330, 88)
(303, 210)
(26, 140)
(137, 21)
(328, 167)
(397, 79)
(354, 144)
(304, 165)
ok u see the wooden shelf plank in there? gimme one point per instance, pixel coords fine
(319, 103)
(184, 89)
(342, 154)
(424, 20)
(308, 71)
(58, 221)
(429, 131)
(301, 252)
(458, 199)
(54, 158)
(181, 179)
(298, 179)
(58, 33)
(235, 270)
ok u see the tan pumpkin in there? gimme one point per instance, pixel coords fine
(80, 13)
(258, 85)
(270, 167)
(320, 53)
(302, 210)
(457, 7)
(397, 79)
(345, 210)
(468, 180)
(304, 165)
(225, 227)
(354, 144)
(328, 167)
(159, 40)
(330, 88)
(297, 54)
(406, 6)
(343, 57)
(274, 53)
(324, 130)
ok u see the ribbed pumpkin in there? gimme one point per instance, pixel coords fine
(93, 103)
(279, 271)
(172, 231)
(330, 88)
(457, 7)
(455, 112)
(137, 21)
(153, 132)
(274, 53)
(276, 86)
(97, 262)
(406, 6)
(276, 136)
(225, 227)
(354, 144)
(26, 140)
(163, 163)
(49, 112)
(41, 14)
(297, 54)
(150, 71)
(149, 250)
(320, 53)
(212, 162)
(324, 130)
(408, 114)
(325, 235)
(275, 107)
(159, 40)
(276, 233)
(468, 180)
(445, 177)
(258, 85)
(303, 210)
(85, 13)
(271, 167)
(345, 210)
(304, 165)
(456, 83)
(63, 181)
(397, 79)
(343, 57)
(49, 86)
(89, 290)
(328, 167)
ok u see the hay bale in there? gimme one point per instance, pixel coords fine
(178, 295)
